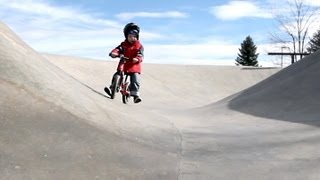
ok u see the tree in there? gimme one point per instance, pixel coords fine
(247, 55)
(314, 43)
(295, 25)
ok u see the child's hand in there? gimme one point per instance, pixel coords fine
(135, 60)
(114, 55)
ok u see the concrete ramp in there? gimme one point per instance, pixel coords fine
(168, 86)
(290, 95)
(195, 122)
(54, 127)
(267, 131)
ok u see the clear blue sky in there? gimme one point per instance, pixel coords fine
(175, 31)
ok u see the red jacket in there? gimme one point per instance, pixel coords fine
(134, 50)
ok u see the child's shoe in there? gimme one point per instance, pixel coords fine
(107, 90)
(137, 99)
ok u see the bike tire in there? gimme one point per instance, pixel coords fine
(125, 96)
(125, 99)
(115, 86)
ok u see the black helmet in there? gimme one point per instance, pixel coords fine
(129, 28)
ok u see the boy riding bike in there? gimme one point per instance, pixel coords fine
(132, 49)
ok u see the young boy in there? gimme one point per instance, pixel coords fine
(132, 49)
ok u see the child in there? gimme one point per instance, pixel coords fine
(132, 49)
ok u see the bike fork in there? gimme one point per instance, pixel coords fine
(124, 87)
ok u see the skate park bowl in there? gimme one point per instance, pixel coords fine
(194, 122)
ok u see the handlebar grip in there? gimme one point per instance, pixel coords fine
(110, 54)
(121, 56)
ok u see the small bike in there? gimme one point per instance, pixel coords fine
(120, 82)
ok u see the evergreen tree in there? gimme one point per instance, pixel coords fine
(247, 55)
(314, 43)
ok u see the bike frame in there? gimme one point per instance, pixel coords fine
(122, 83)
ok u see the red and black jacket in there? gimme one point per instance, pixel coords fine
(130, 50)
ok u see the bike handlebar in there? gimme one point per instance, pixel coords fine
(121, 56)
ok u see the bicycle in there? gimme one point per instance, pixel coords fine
(120, 82)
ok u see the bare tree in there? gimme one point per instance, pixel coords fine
(295, 25)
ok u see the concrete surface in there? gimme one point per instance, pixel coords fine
(195, 122)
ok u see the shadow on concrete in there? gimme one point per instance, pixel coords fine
(291, 95)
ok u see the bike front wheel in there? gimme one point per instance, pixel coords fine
(115, 86)
(125, 93)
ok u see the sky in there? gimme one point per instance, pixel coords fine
(172, 32)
